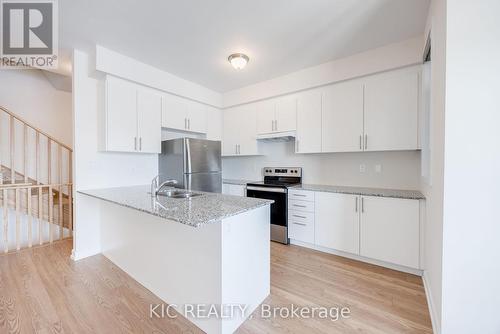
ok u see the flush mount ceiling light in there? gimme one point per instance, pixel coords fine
(238, 60)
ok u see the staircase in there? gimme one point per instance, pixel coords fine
(35, 185)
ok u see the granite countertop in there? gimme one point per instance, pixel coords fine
(237, 181)
(396, 193)
(196, 211)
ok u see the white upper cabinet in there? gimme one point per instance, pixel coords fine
(308, 138)
(174, 112)
(121, 115)
(182, 114)
(342, 117)
(390, 230)
(286, 114)
(240, 129)
(337, 221)
(391, 111)
(276, 115)
(266, 116)
(132, 117)
(197, 117)
(214, 123)
(148, 121)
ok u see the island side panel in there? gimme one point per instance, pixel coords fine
(245, 262)
(180, 264)
(87, 227)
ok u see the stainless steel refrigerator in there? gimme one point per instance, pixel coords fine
(195, 164)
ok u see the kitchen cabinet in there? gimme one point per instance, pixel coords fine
(214, 123)
(240, 127)
(308, 138)
(342, 117)
(391, 111)
(132, 117)
(182, 114)
(148, 121)
(277, 115)
(233, 189)
(337, 221)
(389, 230)
(301, 216)
(266, 115)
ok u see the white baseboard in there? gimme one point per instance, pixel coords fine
(397, 267)
(430, 302)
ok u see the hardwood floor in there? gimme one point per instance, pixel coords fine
(43, 291)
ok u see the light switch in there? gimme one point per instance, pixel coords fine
(362, 168)
(378, 168)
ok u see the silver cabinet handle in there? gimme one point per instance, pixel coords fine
(272, 125)
(185, 123)
(140, 143)
(301, 224)
(300, 206)
(275, 125)
(366, 142)
(360, 142)
(303, 217)
(135, 143)
(356, 210)
(362, 204)
(236, 149)
(239, 149)
(297, 142)
(189, 123)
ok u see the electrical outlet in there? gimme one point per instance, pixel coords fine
(378, 168)
(362, 168)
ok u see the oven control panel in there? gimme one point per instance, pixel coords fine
(282, 171)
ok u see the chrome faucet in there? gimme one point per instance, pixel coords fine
(156, 188)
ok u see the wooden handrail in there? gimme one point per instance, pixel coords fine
(9, 186)
(36, 129)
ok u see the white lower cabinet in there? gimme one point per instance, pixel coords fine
(337, 221)
(234, 189)
(378, 228)
(390, 230)
(301, 215)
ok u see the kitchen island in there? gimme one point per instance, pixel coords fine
(207, 256)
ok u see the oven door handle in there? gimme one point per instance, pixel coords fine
(268, 189)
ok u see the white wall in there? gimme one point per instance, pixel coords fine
(436, 23)
(381, 59)
(93, 168)
(29, 95)
(471, 223)
(400, 170)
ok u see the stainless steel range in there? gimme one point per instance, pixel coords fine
(275, 186)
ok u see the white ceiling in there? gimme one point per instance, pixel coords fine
(193, 38)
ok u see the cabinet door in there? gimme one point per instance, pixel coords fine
(391, 112)
(247, 130)
(308, 138)
(121, 115)
(197, 117)
(265, 116)
(174, 112)
(337, 221)
(214, 123)
(342, 117)
(286, 114)
(149, 108)
(390, 230)
(230, 134)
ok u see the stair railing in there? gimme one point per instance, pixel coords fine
(29, 196)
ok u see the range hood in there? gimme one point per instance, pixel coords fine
(277, 136)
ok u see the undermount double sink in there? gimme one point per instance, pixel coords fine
(177, 193)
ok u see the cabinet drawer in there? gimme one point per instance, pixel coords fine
(301, 231)
(301, 216)
(301, 195)
(300, 205)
